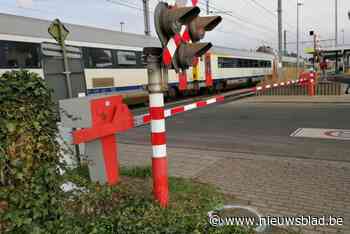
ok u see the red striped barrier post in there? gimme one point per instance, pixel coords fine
(311, 82)
(158, 136)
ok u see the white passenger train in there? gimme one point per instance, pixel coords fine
(112, 61)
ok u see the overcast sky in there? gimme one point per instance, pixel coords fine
(247, 23)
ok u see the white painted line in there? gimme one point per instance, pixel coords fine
(321, 133)
(296, 132)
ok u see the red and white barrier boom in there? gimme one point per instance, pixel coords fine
(146, 118)
(306, 79)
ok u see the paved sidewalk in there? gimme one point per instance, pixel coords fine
(298, 99)
(275, 186)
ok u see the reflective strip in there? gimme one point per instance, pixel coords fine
(158, 125)
(158, 138)
(156, 100)
(166, 57)
(177, 110)
(159, 151)
(138, 120)
(172, 47)
(211, 101)
(190, 107)
(220, 98)
(167, 113)
(183, 29)
(201, 104)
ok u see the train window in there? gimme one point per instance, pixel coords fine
(228, 62)
(19, 55)
(127, 57)
(98, 58)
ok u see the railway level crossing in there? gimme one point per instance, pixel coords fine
(178, 28)
(110, 115)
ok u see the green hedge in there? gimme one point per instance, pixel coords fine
(29, 153)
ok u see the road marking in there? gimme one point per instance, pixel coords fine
(335, 134)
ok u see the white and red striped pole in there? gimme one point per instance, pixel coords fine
(158, 136)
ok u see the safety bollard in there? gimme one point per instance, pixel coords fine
(311, 83)
(158, 136)
(311, 87)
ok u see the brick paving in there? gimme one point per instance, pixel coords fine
(275, 186)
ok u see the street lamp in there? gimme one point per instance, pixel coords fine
(121, 26)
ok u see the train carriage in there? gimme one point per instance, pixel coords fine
(112, 62)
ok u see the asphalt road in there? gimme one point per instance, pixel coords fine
(256, 128)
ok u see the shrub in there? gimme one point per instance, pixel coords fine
(29, 153)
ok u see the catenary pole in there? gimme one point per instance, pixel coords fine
(336, 23)
(146, 17)
(280, 53)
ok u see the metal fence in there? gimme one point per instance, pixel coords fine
(321, 89)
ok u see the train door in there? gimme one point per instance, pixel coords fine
(54, 71)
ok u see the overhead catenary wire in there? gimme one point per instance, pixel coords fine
(240, 20)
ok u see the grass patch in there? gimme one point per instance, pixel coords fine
(138, 172)
(129, 206)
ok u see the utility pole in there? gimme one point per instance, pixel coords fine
(285, 42)
(336, 23)
(146, 17)
(279, 10)
(207, 6)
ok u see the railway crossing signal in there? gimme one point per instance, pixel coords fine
(171, 23)
(200, 25)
